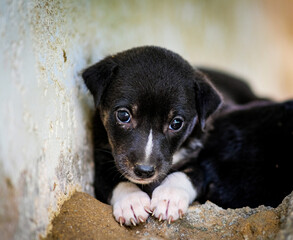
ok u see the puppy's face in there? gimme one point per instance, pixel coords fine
(149, 100)
(146, 121)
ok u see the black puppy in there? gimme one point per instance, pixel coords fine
(149, 102)
(152, 107)
(247, 159)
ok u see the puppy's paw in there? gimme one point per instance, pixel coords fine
(131, 206)
(132, 209)
(169, 203)
(171, 199)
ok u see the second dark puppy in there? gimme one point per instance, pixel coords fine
(247, 159)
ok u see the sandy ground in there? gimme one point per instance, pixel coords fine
(84, 217)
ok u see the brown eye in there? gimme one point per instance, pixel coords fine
(123, 116)
(176, 124)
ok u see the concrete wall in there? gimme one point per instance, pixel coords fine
(45, 109)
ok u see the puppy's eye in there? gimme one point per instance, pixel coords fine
(123, 116)
(176, 124)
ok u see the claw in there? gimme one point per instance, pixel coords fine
(121, 221)
(170, 220)
(148, 210)
(132, 221)
(160, 217)
(153, 212)
(141, 219)
(180, 213)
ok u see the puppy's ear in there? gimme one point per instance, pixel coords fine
(208, 99)
(98, 76)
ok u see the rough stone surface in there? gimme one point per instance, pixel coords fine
(286, 231)
(84, 217)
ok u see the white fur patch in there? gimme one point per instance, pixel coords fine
(183, 153)
(195, 144)
(149, 146)
(129, 203)
(179, 155)
(173, 196)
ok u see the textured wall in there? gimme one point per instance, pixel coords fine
(45, 147)
(45, 141)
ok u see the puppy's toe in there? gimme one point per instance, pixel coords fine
(160, 208)
(169, 203)
(132, 208)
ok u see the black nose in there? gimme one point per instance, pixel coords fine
(144, 171)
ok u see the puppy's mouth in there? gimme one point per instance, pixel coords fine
(142, 181)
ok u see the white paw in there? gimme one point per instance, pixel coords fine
(130, 204)
(171, 199)
(169, 203)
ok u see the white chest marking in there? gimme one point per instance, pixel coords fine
(149, 146)
(179, 155)
(183, 153)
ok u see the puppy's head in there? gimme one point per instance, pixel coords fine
(149, 100)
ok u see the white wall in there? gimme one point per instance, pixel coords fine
(45, 109)
(45, 143)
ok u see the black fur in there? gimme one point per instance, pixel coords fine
(247, 159)
(234, 89)
(155, 85)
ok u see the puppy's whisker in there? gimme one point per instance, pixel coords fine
(103, 150)
(113, 168)
(123, 173)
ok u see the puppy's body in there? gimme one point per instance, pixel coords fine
(152, 107)
(247, 157)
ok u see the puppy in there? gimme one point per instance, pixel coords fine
(151, 111)
(247, 159)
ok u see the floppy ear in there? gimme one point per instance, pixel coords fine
(208, 99)
(98, 76)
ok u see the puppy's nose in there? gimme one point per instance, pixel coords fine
(144, 171)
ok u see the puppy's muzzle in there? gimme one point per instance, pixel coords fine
(144, 171)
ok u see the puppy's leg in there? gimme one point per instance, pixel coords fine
(171, 199)
(130, 204)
